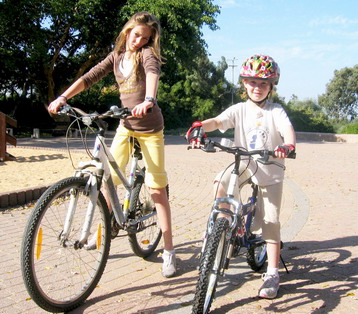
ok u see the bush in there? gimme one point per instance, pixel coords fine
(307, 119)
(350, 129)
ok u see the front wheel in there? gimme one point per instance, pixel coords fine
(145, 235)
(210, 266)
(59, 273)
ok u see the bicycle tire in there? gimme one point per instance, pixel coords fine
(145, 236)
(60, 277)
(210, 265)
(257, 255)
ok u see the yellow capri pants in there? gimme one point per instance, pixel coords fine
(267, 215)
(152, 145)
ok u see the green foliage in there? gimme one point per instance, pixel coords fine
(341, 97)
(198, 93)
(307, 116)
(51, 42)
(351, 128)
(45, 45)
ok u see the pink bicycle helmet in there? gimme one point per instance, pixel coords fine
(260, 67)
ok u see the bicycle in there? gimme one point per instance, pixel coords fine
(224, 240)
(59, 269)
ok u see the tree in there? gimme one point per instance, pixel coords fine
(199, 93)
(54, 41)
(308, 116)
(45, 45)
(341, 97)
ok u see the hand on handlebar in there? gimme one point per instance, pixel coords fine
(55, 105)
(140, 110)
(285, 151)
(196, 135)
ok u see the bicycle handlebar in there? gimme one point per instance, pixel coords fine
(210, 146)
(113, 112)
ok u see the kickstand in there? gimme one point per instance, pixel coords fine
(284, 264)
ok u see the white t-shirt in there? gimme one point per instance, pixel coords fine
(258, 128)
(126, 67)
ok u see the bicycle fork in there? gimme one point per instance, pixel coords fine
(229, 239)
(93, 191)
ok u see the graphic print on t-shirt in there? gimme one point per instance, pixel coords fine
(257, 137)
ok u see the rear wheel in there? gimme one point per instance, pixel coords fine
(257, 252)
(59, 273)
(145, 235)
(256, 255)
(210, 266)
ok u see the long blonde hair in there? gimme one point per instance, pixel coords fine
(140, 18)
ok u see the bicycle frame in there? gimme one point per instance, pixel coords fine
(101, 160)
(241, 215)
(240, 210)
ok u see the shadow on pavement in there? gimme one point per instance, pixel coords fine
(319, 270)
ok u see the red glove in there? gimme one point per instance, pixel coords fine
(196, 133)
(286, 149)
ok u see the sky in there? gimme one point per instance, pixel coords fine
(309, 39)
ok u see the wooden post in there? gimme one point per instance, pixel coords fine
(5, 137)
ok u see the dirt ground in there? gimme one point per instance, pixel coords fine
(35, 167)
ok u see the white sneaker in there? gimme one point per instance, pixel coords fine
(169, 264)
(270, 286)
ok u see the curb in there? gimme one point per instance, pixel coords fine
(21, 197)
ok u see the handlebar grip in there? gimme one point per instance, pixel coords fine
(292, 155)
(63, 110)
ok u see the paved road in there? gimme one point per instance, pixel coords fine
(319, 220)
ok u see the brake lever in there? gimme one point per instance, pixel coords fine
(266, 162)
(116, 112)
(209, 147)
(64, 110)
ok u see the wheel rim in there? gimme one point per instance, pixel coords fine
(260, 254)
(148, 231)
(63, 272)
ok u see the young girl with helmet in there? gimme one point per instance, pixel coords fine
(258, 124)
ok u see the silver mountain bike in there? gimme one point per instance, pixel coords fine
(224, 240)
(59, 268)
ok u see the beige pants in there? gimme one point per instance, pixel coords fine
(269, 198)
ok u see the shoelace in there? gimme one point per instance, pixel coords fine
(268, 278)
(168, 259)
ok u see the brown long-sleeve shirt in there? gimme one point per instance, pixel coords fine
(132, 91)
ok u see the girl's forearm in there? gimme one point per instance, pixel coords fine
(76, 88)
(290, 136)
(212, 124)
(151, 85)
